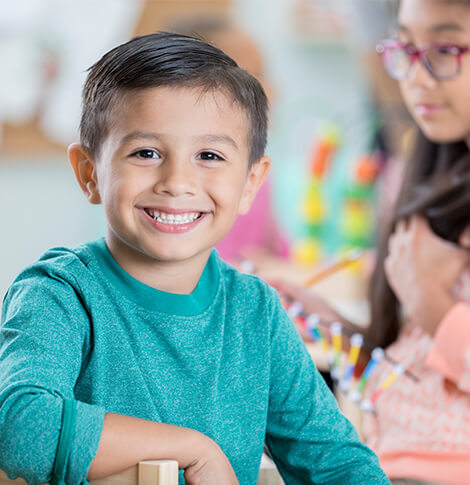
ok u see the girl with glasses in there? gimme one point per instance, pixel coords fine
(420, 288)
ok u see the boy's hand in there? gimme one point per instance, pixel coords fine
(422, 268)
(211, 467)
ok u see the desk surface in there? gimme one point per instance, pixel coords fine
(345, 290)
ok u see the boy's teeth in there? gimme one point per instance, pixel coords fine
(173, 218)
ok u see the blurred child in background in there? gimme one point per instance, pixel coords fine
(420, 289)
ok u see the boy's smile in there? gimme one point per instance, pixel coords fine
(168, 220)
(172, 175)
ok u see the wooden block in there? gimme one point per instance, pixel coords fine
(268, 474)
(161, 472)
(269, 477)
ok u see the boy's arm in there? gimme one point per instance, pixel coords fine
(309, 438)
(126, 440)
(43, 343)
(43, 338)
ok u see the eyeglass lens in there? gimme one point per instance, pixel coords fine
(439, 61)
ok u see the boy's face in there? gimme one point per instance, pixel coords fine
(172, 174)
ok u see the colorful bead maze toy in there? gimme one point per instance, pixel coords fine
(344, 366)
(309, 249)
(358, 217)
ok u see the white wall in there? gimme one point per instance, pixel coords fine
(41, 206)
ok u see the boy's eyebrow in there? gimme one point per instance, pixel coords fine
(139, 134)
(219, 139)
(155, 136)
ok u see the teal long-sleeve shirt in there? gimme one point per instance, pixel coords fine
(225, 360)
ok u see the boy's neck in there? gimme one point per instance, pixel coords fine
(180, 277)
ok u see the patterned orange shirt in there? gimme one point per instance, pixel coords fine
(422, 430)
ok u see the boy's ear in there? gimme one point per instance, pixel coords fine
(256, 176)
(84, 167)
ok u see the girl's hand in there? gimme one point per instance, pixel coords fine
(210, 466)
(421, 268)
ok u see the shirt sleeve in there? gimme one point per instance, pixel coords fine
(43, 337)
(450, 354)
(310, 440)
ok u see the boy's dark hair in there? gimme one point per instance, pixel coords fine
(166, 59)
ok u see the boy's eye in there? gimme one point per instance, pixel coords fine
(209, 156)
(146, 153)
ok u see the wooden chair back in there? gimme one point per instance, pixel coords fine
(161, 472)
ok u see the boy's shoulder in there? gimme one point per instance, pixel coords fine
(246, 285)
(60, 274)
(62, 263)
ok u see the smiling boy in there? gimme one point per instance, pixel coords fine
(144, 344)
(172, 175)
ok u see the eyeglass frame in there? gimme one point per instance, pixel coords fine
(416, 54)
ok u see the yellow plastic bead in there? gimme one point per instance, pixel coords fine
(307, 252)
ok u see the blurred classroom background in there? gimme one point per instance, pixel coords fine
(337, 130)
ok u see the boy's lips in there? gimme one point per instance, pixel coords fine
(173, 220)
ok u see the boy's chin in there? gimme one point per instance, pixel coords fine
(176, 256)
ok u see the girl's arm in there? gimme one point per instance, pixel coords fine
(451, 351)
(422, 269)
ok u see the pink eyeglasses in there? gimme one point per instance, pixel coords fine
(442, 61)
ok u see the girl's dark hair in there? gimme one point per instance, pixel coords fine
(437, 186)
(165, 59)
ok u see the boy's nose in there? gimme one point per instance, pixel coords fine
(175, 178)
